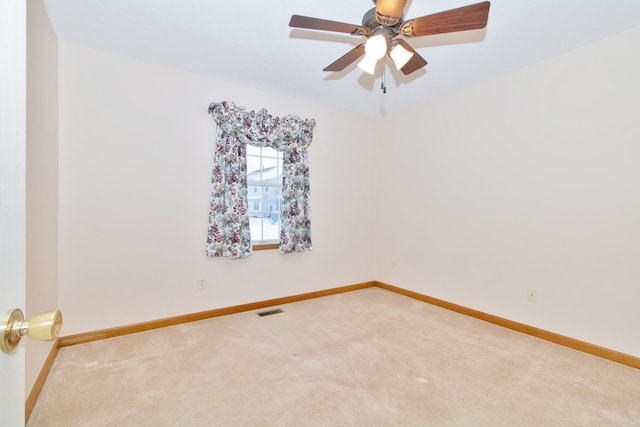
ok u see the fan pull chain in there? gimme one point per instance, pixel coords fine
(383, 85)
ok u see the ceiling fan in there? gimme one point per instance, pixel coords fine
(384, 23)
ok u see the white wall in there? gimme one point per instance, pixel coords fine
(527, 181)
(531, 180)
(42, 178)
(136, 151)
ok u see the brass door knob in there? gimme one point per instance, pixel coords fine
(43, 327)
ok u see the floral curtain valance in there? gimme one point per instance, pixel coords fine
(229, 232)
(261, 128)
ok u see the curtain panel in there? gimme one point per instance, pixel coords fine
(229, 231)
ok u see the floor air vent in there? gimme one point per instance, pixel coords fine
(270, 312)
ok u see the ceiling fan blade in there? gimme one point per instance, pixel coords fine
(415, 63)
(465, 18)
(346, 59)
(390, 8)
(298, 21)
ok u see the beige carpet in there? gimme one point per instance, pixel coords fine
(364, 358)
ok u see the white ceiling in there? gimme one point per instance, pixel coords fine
(250, 42)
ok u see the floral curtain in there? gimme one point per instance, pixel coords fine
(229, 234)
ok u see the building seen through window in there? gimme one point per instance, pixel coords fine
(264, 193)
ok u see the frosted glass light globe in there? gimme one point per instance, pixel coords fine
(400, 56)
(368, 64)
(376, 47)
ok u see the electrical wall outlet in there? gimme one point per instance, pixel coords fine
(532, 295)
(202, 284)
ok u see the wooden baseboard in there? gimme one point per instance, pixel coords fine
(593, 349)
(170, 321)
(575, 344)
(42, 377)
(154, 324)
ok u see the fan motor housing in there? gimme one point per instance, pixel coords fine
(369, 19)
(372, 20)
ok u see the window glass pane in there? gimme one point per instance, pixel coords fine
(271, 227)
(253, 169)
(254, 201)
(264, 229)
(269, 152)
(264, 181)
(270, 166)
(271, 201)
(255, 227)
(253, 150)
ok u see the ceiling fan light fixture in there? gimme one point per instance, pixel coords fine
(400, 56)
(368, 64)
(383, 23)
(376, 46)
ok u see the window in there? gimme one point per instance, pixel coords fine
(264, 179)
